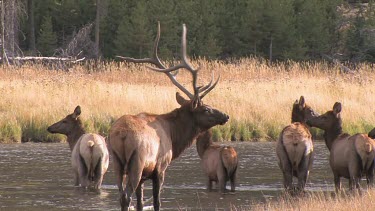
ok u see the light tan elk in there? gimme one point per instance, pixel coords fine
(90, 157)
(295, 148)
(219, 162)
(351, 157)
(143, 145)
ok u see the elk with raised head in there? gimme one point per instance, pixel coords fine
(295, 148)
(143, 145)
(218, 162)
(351, 157)
(90, 156)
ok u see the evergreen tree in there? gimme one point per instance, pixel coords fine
(47, 38)
(134, 38)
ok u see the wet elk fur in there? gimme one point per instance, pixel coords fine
(90, 157)
(219, 162)
(294, 148)
(351, 157)
(143, 145)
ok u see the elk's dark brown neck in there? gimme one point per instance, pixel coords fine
(74, 135)
(331, 135)
(183, 131)
(297, 117)
(203, 142)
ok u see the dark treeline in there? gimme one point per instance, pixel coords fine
(219, 29)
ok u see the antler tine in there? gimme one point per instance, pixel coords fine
(203, 88)
(209, 89)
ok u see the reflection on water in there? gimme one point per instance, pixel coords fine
(39, 177)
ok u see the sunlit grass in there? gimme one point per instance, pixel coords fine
(257, 97)
(321, 201)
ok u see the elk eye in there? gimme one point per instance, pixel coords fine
(64, 121)
(206, 110)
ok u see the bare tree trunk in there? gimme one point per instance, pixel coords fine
(31, 37)
(97, 29)
(3, 52)
(270, 61)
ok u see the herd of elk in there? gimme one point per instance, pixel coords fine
(90, 157)
(218, 162)
(295, 148)
(143, 145)
(351, 157)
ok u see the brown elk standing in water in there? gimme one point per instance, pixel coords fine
(294, 148)
(143, 145)
(90, 157)
(351, 157)
(218, 162)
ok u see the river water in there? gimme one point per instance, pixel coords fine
(36, 176)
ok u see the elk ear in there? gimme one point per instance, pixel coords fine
(301, 103)
(337, 108)
(77, 112)
(180, 100)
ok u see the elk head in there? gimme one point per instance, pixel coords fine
(68, 124)
(204, 116)
(329, 120)
(301, 112)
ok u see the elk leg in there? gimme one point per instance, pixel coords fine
(139, 194)
(209, 184)
(370, 177)
(285, 166)
(222, 177)
(119, 171)
(157, 182)
(76, 177)
(337, 181)
(303, 173)
(233, 181)
(135, 172)
(98, 175)
(83, 173)
(288, 177)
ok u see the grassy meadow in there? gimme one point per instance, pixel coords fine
(257, 97)
(321, 201)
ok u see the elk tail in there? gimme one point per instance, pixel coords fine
(229, 159)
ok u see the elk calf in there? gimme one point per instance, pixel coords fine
(295, 148)
(219, 162)
(351, 157)
(90, 157)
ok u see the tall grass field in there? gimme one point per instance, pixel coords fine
(257, 97)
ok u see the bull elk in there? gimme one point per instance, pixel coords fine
(219, 162)
(351, 157)
(143, 145)
(90, 156)
(295, 148)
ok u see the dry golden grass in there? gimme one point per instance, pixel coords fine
(258, 98)
(319, 201)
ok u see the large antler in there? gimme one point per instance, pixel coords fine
(168, 71)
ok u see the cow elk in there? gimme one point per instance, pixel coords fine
(90, 156)
(218, 162)
(295, 148)
(351, 157)
(143, 145)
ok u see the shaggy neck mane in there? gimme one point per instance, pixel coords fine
(183, 131)
(203, 142)
(331, 135)
(75, 134)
